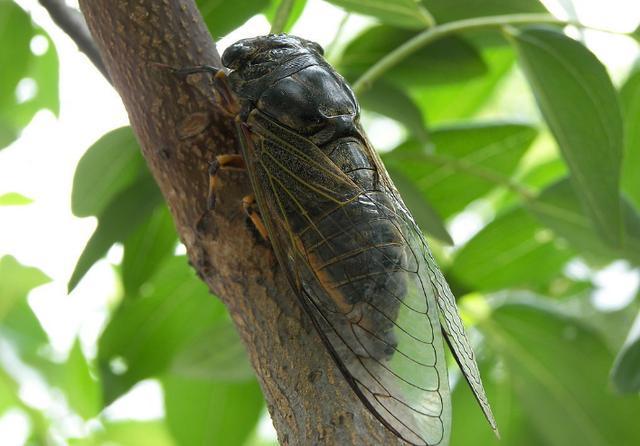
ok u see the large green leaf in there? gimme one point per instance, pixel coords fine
(470, 428)
(145, 334)
(501, 255)
(559, 208)
(109, 166)
(426, 217)
(579, 103)
(626, 370)
(209, 412)
(403, 13)
(446, 61)
(630, 99)
(446, 102)
(449, 10)
(147, 248)
(123, 215)
(223, 16)
(19, 63)
(469, 161)
(215, 354)
(389, 100)
(559, 372)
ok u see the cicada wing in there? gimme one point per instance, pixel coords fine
(351, 257)
(391, 345)
(456, 337)
(452, 325)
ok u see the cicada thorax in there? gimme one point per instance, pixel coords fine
(343, 220)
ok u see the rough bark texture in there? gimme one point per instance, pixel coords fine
(180, 130)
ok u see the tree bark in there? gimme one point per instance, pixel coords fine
(180, 130)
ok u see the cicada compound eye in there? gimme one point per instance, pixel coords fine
(238, 54)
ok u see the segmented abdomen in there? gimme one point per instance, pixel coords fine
(358, 254)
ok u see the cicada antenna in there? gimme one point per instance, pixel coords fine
(222, 88)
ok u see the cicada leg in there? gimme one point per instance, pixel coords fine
(222, 89)
(251, 209)
(229, 161)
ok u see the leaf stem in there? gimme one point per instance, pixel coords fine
(462, 166)
(282, 16)
(437, 32)
(330, 49)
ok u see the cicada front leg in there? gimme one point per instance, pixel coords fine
(222, 89)
(229, 161)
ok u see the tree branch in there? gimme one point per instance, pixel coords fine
(180, 130)
(73, 24)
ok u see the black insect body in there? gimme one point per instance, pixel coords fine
(351, 250)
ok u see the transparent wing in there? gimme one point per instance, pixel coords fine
(452, 325)
(358, 265)
(456, 337)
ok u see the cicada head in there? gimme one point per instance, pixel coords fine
(286, 77)
(257, 55)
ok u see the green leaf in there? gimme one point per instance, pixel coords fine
(390, 101)
(469, 161)
(23, 329)
(404, 13)
(145, 334)
(15, 27)
(630, 99)
(445, 61)
(18, 64)
(426, 217)
(449, 10)
(559, 371)
(215, 354)
(447, 102)
(210, 412)
(111, 164)
(14, 199)
(579, 103)
(626, 369)
(147, 248)
(14, 59)
(9, 390)
(501, 255)
(18, 324)
(128, 433)
(44, 71)
(81, 389)
(124, 214)
(470, 429)
(612, 326)
(16, 280)
(223, 16)
(559, 208)
(296, 12)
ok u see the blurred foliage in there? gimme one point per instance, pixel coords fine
(554, 190)
(29, 74)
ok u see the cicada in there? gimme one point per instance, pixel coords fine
(354, 256)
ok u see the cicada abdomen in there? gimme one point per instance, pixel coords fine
(351, 250)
